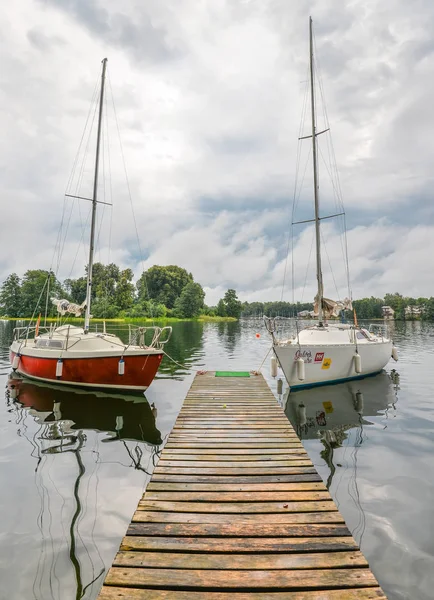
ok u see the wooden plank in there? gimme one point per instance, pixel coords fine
(244, 579)
(245, 439)
(224, 443)
(236, 530)
(230, 427)
(251, 454)
(233, 487)
(252, 434)
(268, 470)
(232, 420)
(247, 457)
(298, 474)
(240, 507)
(118, 593)
(181, 517)
(170, 560)
(204, 464)
(228, 408)
(234, 445)
(220, 496)
(248, 544)
(234, 435)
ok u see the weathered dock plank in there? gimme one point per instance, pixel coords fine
(116, 593)
(235, 510)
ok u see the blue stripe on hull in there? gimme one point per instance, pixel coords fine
(305, 386)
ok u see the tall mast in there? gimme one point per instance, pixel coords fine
(94, 203)
(315, 180)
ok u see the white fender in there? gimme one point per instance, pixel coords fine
(279, 386)
(300, 369)
(59, 368)
(358, 402)
(301, 414)
(121, 367)
(56, 411)
(273, 366)
(357, 363)
(16, 362)
(394, 354)
(119, 423)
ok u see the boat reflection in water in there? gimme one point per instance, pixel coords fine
(128, 417)
(71, 423)
(328, 413)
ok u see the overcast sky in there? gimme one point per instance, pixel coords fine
(209, 96)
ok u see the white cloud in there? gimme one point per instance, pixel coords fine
(208, 100)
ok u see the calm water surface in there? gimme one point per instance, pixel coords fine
(74, 465)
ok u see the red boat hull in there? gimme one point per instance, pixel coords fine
(95, 372)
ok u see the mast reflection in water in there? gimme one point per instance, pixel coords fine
(338, 416)
(63, 417)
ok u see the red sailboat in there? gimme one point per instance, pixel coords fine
(77, 356)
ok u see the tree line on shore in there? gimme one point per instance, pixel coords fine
(365, 308)
(167, 291)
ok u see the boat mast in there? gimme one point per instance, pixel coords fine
(315, 181)
(94, 203)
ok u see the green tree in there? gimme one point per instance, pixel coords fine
(221, 308)
(124, 294)
(10, 296)
(76, 289)
(163, 284)
(397, 302)
(103, 308)
(428, 313)
(190, 302)
(105, 279)
(232, 304)
(369, 308)
(34, 290)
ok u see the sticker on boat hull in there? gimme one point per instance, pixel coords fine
(326, 363)
(306, 355)
(328, 406)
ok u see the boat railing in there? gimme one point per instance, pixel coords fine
(380, 330)
(26, 332)
(279, 325)
(149, 337)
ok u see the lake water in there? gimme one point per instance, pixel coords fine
(74, 465)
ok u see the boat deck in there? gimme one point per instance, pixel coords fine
(235, 510)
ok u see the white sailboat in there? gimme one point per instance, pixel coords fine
(328, 352)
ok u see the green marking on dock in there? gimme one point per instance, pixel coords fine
(232, 374)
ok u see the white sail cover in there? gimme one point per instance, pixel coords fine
(332, 308)
(65, 306)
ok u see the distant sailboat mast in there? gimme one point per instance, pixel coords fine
(94, 203)
(315, 181)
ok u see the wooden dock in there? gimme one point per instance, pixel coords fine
(235, 510)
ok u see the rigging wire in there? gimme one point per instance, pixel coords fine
(308, 264)
(131, 199)
(71, 176)
(88, 128)
(329, 262)
(336, 179)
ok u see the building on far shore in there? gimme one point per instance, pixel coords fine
(413, 312)
(306, 314)
(388, 312)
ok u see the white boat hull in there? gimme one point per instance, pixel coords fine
(325, 364)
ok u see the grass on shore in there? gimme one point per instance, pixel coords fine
(80, 321)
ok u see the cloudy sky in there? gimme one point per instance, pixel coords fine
(209, 96)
